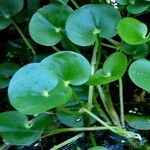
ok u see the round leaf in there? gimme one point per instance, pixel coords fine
(92, 20)
(46, 24)
(138, 7)
(30, 88)
(98, 148)
(21, 131)
(72, 67)
(132, 31)
(138, 122)
(8, 9)
(123, 2)
(139, 73)
(114, 67)
(137, 51)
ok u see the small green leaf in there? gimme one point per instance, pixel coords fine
(46, 25)
(138, 7)
(132, 31)
(92, 20)
(4, 81)
(72, 67)
(137, 51)
(138, 122)
(114, 67)
(7, 70)
(71, 120)
(98, 148)
(29, 89)
(8, 9)
(21, 131)
(139, 73)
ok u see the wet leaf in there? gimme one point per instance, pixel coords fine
(138, 122)
(139, 73)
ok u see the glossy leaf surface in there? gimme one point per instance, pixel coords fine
(22, 131)
(46, 24)
(72, 67)
(92, 20)
(139, 73)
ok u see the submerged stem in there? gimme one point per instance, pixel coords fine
(24, 38)
(70, 140)
(121, 103)
(74, 3)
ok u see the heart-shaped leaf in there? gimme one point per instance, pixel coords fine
(132, 31)
(21, 131)
(114, 67)
(98, 148)
(138, 122)
(137, 51)
(8, 9)
(46, 25)
(35, 89)
(72, 67)
(92, 20)
(139, 73)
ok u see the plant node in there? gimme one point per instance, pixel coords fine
(96, 31)
(57, 30)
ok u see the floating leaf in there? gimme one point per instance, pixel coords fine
(139, 73)
(98, 148)
(72, 67)
(92, 20)
(114, 67)
(31, 89)
(123, 2)
(137, 51)
(46, 25)
(8, 9)
(21, 131)
(132, 31)
(4, 81)
(138, 122)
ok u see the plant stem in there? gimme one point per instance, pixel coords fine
(107, 102)
(55, 48)
(121, 102)
(74, 3)
(80, 129)
(70, 140)
(96, 118)
(113, 41)
(109, 46)
(93, 65)
(24, 38)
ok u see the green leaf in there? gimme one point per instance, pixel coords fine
(8, 9)
(21, 131)
(139, 73)
(92, 20)
(46, 25)
(138, 122)
(138, 7)
(7, 70)
(72, 67)
(30, 89)
(98, 148)
(137, 51)
(71, 120)
(123, 2)
(4, 81)
(114, 67)
(132, 31)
